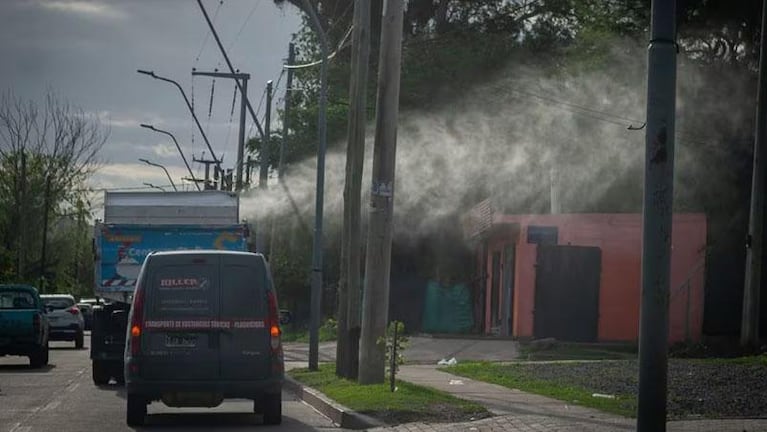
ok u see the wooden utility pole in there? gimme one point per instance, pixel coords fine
(749, 330)
(349, 289)
(378, 256)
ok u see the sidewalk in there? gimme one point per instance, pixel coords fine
(517, 411)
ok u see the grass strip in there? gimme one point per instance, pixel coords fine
(514, 377)
(410, 403)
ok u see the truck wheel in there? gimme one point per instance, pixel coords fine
(100, 373)
(271, 405)
(80, 340)
(136, 410)
(38, 358)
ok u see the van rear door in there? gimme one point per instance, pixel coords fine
(181, 340)
(245, 347)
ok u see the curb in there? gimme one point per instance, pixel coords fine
(337, 413)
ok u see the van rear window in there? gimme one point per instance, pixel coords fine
(183, 291)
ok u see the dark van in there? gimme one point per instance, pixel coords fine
(204, 327)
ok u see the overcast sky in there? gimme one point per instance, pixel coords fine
(87, 51)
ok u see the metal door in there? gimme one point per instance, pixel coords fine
(567, 292)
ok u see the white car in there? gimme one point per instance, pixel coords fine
(66, 320)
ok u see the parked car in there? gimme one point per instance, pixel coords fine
(24, 327)
(87, 310)
(66, 320)
(204, 327)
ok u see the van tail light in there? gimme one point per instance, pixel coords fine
(274, 323)
(74, 310)
(137, 321)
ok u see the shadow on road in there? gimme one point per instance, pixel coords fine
(190, 421)
(25, 368)
(66, 348)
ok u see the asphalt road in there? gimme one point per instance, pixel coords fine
(63, 398)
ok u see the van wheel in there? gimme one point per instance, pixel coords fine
(136, 410)
(271, 406)
(80, 340)
(100, 373)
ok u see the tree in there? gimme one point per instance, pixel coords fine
(47, 152)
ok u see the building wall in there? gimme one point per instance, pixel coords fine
(619, 238)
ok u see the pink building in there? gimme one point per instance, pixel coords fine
(577, 276)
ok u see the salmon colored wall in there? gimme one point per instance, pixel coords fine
(619, 238)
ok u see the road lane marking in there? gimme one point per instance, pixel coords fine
(73, 387)
(52, 405)
(19, 428)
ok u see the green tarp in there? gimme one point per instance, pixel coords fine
(447, 309)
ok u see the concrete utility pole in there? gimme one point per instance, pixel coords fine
(276, 237)
(349, 292)
(263, 176)
(657, 218)
(243, 102)
(316, 276)
(286, 112)
(749, 330)
(207, 163)
(378, 259)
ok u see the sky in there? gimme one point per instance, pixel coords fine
(88, 51)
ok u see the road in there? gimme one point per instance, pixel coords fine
(63, 398)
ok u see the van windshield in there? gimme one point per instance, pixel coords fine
(183, 290)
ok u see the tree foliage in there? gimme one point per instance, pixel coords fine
(47, 152)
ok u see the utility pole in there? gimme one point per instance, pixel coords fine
(46, 200)
(207, 163)
(749, 330)
(243, 103)
(286, 111)
(378, 257)
(276, 238)
(657, 218)
(316, 276)
(349, 292)
(263, 176)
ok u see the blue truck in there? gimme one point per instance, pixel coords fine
(135, 224)
(24, 326)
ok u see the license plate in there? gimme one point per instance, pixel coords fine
(180, 341)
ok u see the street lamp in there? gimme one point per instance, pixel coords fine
(191, 110)
(150, 127)
(154, 187)
(163, 168)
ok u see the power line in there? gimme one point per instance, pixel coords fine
(237, 36)
(207, 34)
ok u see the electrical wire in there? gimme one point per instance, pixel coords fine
(207, 34)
